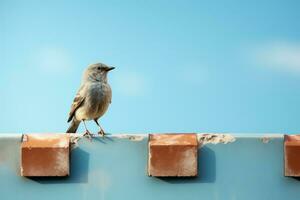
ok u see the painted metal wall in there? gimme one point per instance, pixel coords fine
(251, 167)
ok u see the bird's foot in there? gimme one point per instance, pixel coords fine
(101, 133)
(88, 135)
(74, 139)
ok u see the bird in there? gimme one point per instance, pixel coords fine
(92, 99)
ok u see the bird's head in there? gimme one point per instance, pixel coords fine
(97, 72)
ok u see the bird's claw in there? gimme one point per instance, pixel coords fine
(74, 139)
(101, 133)
(88, 135)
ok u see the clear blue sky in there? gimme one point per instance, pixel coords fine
(181, 66)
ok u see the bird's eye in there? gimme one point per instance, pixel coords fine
(98, 68)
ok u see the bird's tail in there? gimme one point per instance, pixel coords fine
(73, 126)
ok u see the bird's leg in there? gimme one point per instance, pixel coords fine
(87, 132)
(101, 131)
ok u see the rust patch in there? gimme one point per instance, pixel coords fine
(173, 155)
(45, 155)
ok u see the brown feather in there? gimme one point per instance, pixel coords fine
(77, 102)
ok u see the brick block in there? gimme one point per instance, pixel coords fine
(173, 155)
(45, 155)
(292, 155)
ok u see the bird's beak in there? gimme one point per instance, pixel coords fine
(110, 68)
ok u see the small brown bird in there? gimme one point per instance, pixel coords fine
(92, 99)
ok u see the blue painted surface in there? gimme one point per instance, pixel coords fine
(115, 168)
(184, 66)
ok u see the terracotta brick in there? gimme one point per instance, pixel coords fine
(45, 155)
(173, 155)
(292, 155)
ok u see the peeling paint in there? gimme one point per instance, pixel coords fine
(265, 140)
(215, 138)
(134, 138)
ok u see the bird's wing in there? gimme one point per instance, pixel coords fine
(77, 102)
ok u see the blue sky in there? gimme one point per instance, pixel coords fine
(181, 66)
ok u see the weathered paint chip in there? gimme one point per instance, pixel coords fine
(173, 155)
(131, 137)
(292, 155)
(206, 138)
(45, 155)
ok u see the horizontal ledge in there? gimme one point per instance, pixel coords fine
(145, 135)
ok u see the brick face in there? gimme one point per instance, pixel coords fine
(45, 155)
(292, 155)
(173, 155)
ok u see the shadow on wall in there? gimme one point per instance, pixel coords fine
(78, 172)
(206, 169)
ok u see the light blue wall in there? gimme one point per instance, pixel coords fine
(115, 168)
